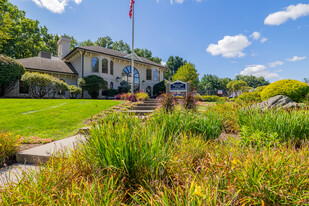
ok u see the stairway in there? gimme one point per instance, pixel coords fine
(145, 108)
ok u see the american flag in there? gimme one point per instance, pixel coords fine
(131, 8)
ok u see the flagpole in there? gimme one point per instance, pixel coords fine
(132, 56)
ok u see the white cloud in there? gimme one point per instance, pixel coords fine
(256, 35)
(276, 63)
(296, 58)
(230, 46)
(263, 40)
(163, 63)
(259, 71)
(291, 12)
(56, 6)
(176, 1)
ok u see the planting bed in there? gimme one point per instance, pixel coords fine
(179, 158)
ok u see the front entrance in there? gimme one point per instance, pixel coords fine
(127, 76)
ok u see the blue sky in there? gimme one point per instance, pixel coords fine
(221, 37)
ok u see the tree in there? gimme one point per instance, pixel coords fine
(187, 73)
(174, 63)
(105, 42)
(209, 82)
(86, 43)
(238, 86)
(92, 84)
(306, 80)
(253, 81)
(11, 72)
(121, 46)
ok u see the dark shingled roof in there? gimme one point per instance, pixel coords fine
(115, 53)
(49, 65)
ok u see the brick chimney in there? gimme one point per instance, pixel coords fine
(64, 46)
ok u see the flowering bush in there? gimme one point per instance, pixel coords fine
(8, 145)
(33, 140)
(141, 96)
(118, 96)
(132, 98)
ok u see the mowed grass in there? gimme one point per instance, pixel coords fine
(48, 118)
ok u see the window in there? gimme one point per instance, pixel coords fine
(105, 66)
(95, 64)
(126, 76)
(23, 88)
(148, 74)
(111, 68)
(155, 75)
(111, 86)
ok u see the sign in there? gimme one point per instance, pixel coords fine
(220, 92)
(178, 86)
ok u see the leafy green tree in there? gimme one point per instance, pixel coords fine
(210, 82)
(86, 43)
(253, 81)
(92, 84)
(238, 86)
(174, 63)
(121, 46)
(187, 73)
(11, 72)
(105, 42)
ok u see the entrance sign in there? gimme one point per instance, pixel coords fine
(178, 88)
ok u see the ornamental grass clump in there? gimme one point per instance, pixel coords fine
(206, 124)
(8, 145)
(189, 102)
(290, 125)
(167, 102)
(137, 151)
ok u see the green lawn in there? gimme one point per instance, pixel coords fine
(48, 118)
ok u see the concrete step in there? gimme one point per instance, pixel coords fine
(147, 105)
(42, 153)
(140, 112)
(151, 101)
(144, 108)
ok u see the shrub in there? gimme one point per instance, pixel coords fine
(110, 92)
(118, 96)
(213, 98)
(159, 89)
(74, 91)
(132, 98)
(249, 97)
(141, 96)
(294, 89)
(124, 87)
(10, 72)
(92, 84)
(189, 102)
(8, 146)
(167, 102)
(41, 85)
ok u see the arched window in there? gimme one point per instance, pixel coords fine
(111, 86)
(126, 76)
(148, 74)
(95, 64)
(111, 68)
(155, 75)
(105, 66)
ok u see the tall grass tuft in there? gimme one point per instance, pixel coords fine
(205, 124)
(290, 125)
(9, 144)
(124, 144)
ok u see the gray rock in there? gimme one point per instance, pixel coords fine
(277, 101)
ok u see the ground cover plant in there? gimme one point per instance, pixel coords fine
(176, 158)
(48, 118)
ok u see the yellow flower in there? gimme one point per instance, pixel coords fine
(198, 191)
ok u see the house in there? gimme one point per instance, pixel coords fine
(113, 66)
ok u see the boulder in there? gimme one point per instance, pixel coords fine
(278, 101)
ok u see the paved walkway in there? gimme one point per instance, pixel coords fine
(28, 159)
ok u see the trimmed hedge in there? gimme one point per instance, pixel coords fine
(212, 98)
(294, 89)
(250, 97)
(10, 72)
